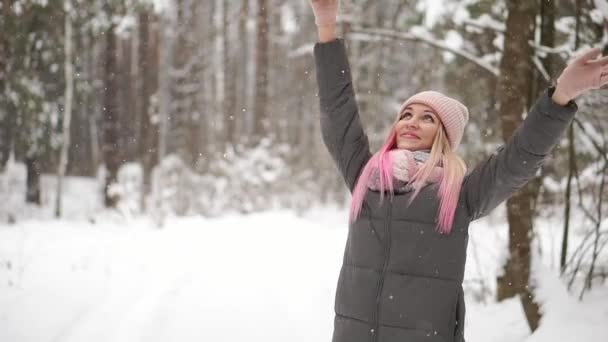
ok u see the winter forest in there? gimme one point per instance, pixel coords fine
(162, 172)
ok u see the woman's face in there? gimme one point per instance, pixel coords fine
(416, 127)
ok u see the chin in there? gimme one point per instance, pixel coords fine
(408, 147)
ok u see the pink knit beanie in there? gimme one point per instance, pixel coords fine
(453, 114)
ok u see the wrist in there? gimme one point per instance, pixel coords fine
(559, 97)
(327, 33)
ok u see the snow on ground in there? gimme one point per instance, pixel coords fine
(267, 277)
(264, 277)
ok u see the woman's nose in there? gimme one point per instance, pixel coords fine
(413, 123)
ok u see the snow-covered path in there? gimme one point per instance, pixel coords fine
(264, 277)
(233, 280)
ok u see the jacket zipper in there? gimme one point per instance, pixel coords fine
(384, 267)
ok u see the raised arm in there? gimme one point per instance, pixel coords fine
(513, 164)
(341, 127)
(507, 170)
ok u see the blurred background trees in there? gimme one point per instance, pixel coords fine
(214, 103)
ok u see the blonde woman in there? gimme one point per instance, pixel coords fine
(413, 200)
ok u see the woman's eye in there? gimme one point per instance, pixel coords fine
(429, 118)
(405, 115)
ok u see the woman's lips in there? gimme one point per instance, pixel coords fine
(409, 136)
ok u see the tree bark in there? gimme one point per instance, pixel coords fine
(210, 84)
(229, 99)
(33, 170)
(193, 141)
(261, 122)
(128, 100)
(80, 159)
(67, 112)
(571, 164)
(6, 120)
(179, 111)
(547, 38)
(110, 115)
(147, 85)
(164, 86)
(514, 87)
(243, 72)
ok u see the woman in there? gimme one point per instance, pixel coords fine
(403, 267)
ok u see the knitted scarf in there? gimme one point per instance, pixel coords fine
(405, 164)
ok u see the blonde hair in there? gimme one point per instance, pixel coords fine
(442, 155)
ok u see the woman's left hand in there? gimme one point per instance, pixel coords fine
(583, 73)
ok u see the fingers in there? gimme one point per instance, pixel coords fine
(604, 76)
(603, 79)
(598, 62)
(589, 55)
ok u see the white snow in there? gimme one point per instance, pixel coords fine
(432, 9)
(262, 277)
(267, 277)
(602, 6)
(454, 40)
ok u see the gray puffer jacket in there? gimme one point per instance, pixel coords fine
(401, 281)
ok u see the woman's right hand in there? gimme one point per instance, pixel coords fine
(585, 72)
(325, 12)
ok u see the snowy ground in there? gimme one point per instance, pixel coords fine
(265, 277)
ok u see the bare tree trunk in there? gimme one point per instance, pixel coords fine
(548, 13)
(211, 83)
(216, 77)
(547, 38)
(276, 88)
(67, 113)
(262, 124)
(142, 89)
(127, 59)
(178, 109)
(164, 86)
(33, 170)
(243, 73)
(571, 163)
(202, 30)
(79, 160)
(147, 84)
(229, 99)
(6, 119)
(134, 102)
(94, 119)
(193, 137)
(110, 115)
(514, 87)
